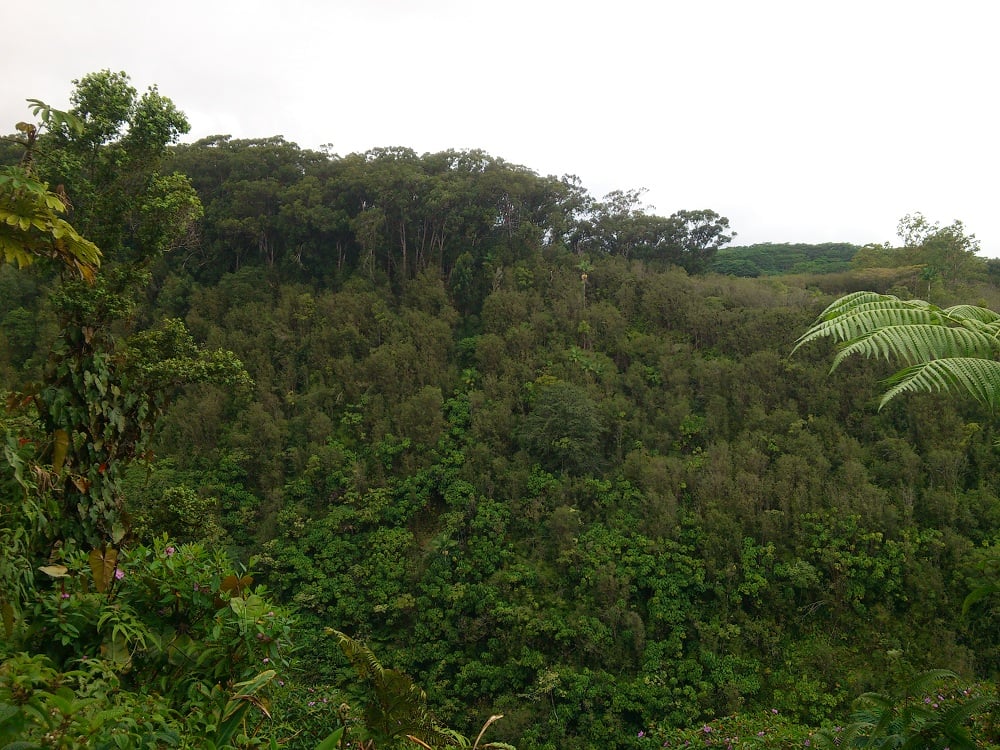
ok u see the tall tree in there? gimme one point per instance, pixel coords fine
(621, 225)
(106, 383)
(946, 253)
(110, 167)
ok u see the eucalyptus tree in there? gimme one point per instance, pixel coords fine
(621, 225)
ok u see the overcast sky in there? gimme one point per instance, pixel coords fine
(800, 120)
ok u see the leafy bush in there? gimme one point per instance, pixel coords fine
(142, 649)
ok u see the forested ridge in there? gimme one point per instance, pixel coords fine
(522, 443)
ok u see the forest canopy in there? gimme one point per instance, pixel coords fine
(391, 440)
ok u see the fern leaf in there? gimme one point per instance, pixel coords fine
(978, 377)
(917, 343)
(866, 318)
(979, 593)
(959, 715)
(928, 681)
(972, 312)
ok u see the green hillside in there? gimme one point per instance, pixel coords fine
(545, 455)
(772, 259)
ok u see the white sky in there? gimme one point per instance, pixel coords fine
(800, 120)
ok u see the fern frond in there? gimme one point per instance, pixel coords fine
(972, 312)
(362, 658)
(977, 594)
(848, 301)
(959, 715)
(918, 343)
(870, 316)
(978, 377)
(855, 303)
(927, 682)
(494, 717)
(854, 734)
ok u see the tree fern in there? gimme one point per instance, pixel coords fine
(397, 707)
(978, 377)
(912, 344)
(951, 349)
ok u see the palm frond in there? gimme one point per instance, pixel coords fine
(918, 343)
(978, 377)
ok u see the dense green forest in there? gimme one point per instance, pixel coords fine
(343, 449)
(772, 259)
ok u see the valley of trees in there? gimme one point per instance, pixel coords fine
(366, 450)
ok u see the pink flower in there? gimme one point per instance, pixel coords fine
(119, 574)
(169, 551)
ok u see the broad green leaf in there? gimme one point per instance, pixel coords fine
(102, 566)
(332, 740)
(7, 613)
(60, 444)
(55, 571)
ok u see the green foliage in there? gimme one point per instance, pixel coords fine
(620, 225)
(926, 715)
(31, 226)
(563, 429)
(31, 216)
(110, 167)
(772, 259)
(770, 730)
(396, 709)
(585, 489)
(77, 709)
(103, 398)
(25, 520)
(949, 349)
(139, 648)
